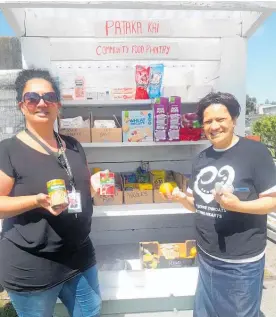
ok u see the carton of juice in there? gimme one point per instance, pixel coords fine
(174, 119)
(80, 93)
(174, 113)
(107, 184)
(160, 119)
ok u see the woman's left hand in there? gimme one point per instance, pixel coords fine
(95, 180)
(228, 201)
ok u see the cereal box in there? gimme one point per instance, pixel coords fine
(137, 126)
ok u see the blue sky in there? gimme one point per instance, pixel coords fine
(5, 29)
(261, 61)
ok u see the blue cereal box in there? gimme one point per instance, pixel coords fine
(137, 126)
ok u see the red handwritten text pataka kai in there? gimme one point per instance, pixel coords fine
(127, 28)
(133, 50)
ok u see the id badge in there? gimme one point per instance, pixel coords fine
(74, 198)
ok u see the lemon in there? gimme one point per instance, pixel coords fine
(193, 252)
(166, 189)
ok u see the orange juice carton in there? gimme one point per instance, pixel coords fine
(107, 184)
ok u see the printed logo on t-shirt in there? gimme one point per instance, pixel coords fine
(208, 176)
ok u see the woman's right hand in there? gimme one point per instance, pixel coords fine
(175, 196)
(44, 201)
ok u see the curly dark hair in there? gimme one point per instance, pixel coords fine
(28, 74)
(226, 99)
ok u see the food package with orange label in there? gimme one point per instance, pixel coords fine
(154, 255)
(137, 126)
(107, 183)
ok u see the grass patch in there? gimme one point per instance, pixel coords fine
(6, 309)
(268, 274)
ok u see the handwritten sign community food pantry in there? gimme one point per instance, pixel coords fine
(139, 50)
(132, 28)
(124, 49)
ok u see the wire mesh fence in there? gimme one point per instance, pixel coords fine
(11, 118)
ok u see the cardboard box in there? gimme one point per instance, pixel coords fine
(181, 181)
(102, 135)
(111, 200)
(132, 193)
(83, 135)
(137, 196)
(155, 255)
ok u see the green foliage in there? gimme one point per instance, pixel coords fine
(251, 103)
(265, 127)
(6, 309)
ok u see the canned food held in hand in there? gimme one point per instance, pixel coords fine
(58, 193)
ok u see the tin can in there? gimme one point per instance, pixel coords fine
(58, 193)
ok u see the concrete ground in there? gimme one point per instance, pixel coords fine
(269, 291)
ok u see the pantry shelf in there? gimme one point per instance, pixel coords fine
(143, 144)
(139, 210)
(99, 103)
(103, 103)
(159, 290)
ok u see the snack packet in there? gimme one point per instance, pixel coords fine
(142, 81)
(155, 81)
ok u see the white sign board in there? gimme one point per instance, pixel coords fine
(132, 28)
(87, 49)
(134, 51)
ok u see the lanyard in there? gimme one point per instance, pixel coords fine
(60, 158)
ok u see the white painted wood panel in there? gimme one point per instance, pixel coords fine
(188, 313)
(92, 23)
(180, 313)
(184, 221)
(75, 49)
(150, 282)
(126, 166)
(118, 161)
(190, 80)
(139, 210)
(139, 154)
(127, 292)
(36, 52)
(166, 5)
(164, 235)
(143, 144)
(232, 76)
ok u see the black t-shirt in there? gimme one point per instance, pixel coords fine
(39, 250)
(249, 168)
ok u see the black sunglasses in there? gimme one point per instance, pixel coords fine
(32, 99)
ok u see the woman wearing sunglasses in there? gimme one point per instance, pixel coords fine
(45, 252)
